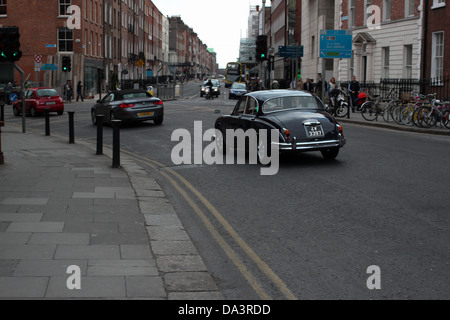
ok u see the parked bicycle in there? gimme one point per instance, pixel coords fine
(431, 115)
(371, 110)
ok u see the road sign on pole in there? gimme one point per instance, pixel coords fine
(291, 52)
(336, 44)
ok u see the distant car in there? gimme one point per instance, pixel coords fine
(129, 106)
(298, 116)
(39, 99)
(216, 87)
(237, 90)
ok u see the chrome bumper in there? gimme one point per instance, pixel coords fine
(316, 145)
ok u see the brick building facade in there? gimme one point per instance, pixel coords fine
(107, 46)
(436, 62)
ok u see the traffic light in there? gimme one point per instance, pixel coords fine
(66, 64)
(10, 44)
(261, 48)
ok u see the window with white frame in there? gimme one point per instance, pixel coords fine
(410, 8)
(438, 4)
(386, 62)
(351, 13)
(387, 10)
(65, 40)
(367, 5)
(408, 67)
(85, 41)
(437, 55)
(3, 7)
(63, 5)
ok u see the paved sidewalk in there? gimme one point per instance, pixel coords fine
(61, 205)
(356, 118)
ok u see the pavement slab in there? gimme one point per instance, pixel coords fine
(62, 207)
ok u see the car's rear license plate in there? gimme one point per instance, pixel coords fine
(315, 131)
(50, 103)
(145, 114)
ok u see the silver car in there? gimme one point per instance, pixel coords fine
(129, 106)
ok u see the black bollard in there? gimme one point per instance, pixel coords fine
(116, 143)
(71, 127)
(47, 121)
(2, 158)
(99, 122)
(2, 111)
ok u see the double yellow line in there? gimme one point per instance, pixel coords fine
(176, 179)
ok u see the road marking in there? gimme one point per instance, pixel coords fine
(241, 243)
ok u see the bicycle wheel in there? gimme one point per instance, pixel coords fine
(426, 117)
(417, 117)
(396, 114)
(387, 112)
(368, 111)
(446, 118)
(407, 115)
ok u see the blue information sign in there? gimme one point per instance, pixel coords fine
(49, 67)
(336, 44)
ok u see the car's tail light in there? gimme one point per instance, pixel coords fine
(158, 103)
(287, 134)
(340, 130)
(126, 105)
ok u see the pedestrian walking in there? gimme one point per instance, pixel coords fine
(300, 84)
(308, 86)
(79, 91)
(318, 89)
(68, 90)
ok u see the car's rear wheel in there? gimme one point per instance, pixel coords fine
(33, 112)
(330, 154)
(158, 121)
(60, 113)
(112, 117)
(93, 118)
(16, 111)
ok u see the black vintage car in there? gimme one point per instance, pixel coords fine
(300, 118)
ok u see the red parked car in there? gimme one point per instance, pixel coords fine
(37, 100)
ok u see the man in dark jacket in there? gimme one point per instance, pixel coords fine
(354, 89)
(308, 86)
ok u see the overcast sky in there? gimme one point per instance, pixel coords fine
(219, 24)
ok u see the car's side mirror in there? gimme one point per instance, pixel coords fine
(98, 101)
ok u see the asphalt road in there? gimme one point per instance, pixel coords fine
(313, 230)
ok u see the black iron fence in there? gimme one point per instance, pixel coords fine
(402, 88)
